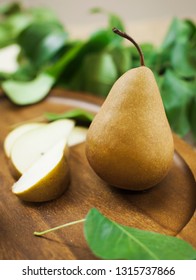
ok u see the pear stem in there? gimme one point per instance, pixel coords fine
(126, 36)
(40, 233)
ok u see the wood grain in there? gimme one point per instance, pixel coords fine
(166, 208)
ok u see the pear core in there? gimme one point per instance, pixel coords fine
(129, 143)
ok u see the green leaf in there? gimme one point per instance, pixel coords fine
(179, 31)
(179, 45)
(122, 59)
(151, 55)
(110, 240)
(79, 115)
(48, 39)
(171, 34)
(65, 63)
(26, 72)
(76, 71)
(29, 92)
(113, 21)
(181, 61)
(99, 73)
(25, 93)
(96, 43)
(193, 117)
(48, 48)
(177, 95)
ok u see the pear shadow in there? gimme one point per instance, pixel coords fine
(165, 203)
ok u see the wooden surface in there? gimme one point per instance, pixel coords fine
(166, 208)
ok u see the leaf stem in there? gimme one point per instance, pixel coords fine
(126, 36)
(40, 233)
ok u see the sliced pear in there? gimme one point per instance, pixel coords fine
(47, 178)
(28, 148)
(77, 136)
(16, 133)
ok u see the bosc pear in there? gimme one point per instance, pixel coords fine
(129, 143)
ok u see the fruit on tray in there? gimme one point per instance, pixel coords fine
(129, 143)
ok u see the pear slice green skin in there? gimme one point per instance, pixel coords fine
(129, 143)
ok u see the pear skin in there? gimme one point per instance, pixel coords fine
(129, 143)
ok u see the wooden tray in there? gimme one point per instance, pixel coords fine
(165, 208)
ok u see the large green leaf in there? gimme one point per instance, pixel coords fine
(49, 47)
(40, 41)
(25, 93)
(177, 95)
(63, 65)
(110, 240)
(97, 42)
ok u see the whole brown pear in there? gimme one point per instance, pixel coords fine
(129, 143)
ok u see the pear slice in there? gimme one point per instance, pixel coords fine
(16, 133)
(77, 136)
(47, 178)
(28, 148)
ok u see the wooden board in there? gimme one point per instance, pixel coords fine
(167, 208)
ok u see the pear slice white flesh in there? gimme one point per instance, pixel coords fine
(16, 133)
(28, 148)
(47, 178)
(77, 136)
